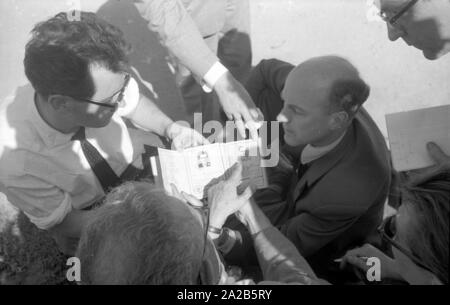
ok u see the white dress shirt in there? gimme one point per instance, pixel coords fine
(311, 153)
(44, 173)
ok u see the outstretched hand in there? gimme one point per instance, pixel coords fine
(238, 105)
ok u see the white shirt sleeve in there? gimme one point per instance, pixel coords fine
(56, 216)
(44, 204)
(212, 76)
(130, 99)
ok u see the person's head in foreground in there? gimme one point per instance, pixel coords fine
(424, 24)
(78, 70)
(421, 228)
(143, 236)
(321, 97)
(418, 234)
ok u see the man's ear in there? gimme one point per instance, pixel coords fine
(338, 120)
(59, 102)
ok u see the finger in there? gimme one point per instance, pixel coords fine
(236, 171)
(176, 193)
(246, 195)
(436, 153)
(360, 251)
(229, 116)
(250, 122)
(260, 115)
(358, 262)
(239, 125)
(255, 113)
(253, 129)
(254, 122)
(203, 140)
(243, 186)
(177, 145)
(192, 200)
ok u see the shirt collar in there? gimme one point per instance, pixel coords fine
(50, 136)
(311, 153)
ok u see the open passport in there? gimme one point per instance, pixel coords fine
(192, 169)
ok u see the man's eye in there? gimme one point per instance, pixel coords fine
(297, 111)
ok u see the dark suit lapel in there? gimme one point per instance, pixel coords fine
(299, 187)
(321, 166)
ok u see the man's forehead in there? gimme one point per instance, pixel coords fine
(105, 81)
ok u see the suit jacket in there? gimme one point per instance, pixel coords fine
(338, 202)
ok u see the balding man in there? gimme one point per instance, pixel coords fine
(329, 195)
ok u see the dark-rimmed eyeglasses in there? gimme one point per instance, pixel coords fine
(388, 230)
(392, 20)
(205, 211)
(114, 100)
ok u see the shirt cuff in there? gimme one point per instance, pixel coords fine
(212, 76)
(56, 217)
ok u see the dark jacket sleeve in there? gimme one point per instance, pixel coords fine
(280, 261)
(310, 232)
(338, 205)
(265, 83)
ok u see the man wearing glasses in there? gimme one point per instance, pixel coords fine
(64, 141)
(424, 24)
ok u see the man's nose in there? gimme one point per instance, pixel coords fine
(394, 33)
(282, 118)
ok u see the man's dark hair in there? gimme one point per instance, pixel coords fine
(139, 237)
(348, 95)
(60, 51)
(428, 237)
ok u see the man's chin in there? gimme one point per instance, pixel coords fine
(100, 123)
(433, 54)
(289, 141)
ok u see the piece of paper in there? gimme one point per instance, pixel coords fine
(410, 131)
(247, 153)
(173, 171)
(193, 169)
(204, 164)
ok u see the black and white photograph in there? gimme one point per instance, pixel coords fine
(120, 122)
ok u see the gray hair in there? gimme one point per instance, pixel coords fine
(136, 238)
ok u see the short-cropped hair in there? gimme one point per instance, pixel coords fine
(136, 239)
(60, 52)
(348, 95)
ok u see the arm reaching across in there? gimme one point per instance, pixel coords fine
(278, 257)
(183, 39)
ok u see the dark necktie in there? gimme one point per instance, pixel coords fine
(301, 169)
(104, 173)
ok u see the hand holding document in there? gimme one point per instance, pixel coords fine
(193, 169)
(410, 131)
